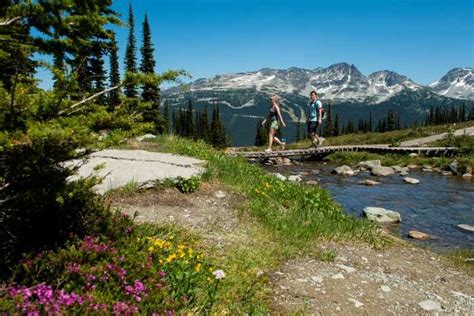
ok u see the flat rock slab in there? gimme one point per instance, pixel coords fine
(381, 215)
(418, 235)
(466, 227)
(119, 167)
(411, 180)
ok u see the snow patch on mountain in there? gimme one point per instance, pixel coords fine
(339, 82)
(457, 83)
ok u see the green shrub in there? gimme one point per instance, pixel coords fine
(39, 207)
(137, 269)
(188, 185)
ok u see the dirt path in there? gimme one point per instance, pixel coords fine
(212, 211)
(433, 138)
(403, 280)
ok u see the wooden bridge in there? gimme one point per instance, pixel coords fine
(326, 150)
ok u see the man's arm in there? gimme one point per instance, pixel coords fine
(320, 112)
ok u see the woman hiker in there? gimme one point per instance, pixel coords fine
(274, 116)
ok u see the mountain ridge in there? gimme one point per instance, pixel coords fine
(340, 82)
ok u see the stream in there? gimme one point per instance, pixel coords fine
(435, 206)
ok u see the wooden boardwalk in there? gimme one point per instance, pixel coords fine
(326, 150)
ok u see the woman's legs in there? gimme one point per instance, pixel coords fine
(279, 142)
(271, 135)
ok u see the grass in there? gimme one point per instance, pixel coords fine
(460, 258)
(295, 213)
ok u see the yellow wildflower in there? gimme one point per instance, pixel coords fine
(151, 249)
(198, 267)
(171, 257)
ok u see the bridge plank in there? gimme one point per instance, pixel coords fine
(329, 149)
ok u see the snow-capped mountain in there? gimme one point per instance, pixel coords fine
(243, 98)
(457, 83)
(339, 82)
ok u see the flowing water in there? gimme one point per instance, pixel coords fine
(435, 206)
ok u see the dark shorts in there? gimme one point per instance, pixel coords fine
(313, 127)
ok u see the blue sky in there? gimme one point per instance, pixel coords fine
(422, 39)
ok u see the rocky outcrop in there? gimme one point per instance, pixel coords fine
(369, 164)
(344, 171)
(382, 171)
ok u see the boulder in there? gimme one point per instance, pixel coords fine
(382, 171)
(146, 136)
(295, 178)
(381, 215)
(453, 167)
(447, 173)
(369, 164)
(369, 182)
(466, 227)
(404, 173)
(344, 171)
(412, 166)
(312, 182)
(418, 235)
(467, 175)
(411, 180)
(413, 155)
(427, 170)
(280, 176)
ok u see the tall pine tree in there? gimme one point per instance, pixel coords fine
(150, 91)
(114, 76)
(336, 125)
(130, 54)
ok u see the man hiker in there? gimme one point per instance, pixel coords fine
(315, 117)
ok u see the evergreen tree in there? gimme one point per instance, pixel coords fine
(114, 78)
(130, 57)
(204, 124)
(259, 136)
(350, 128)
(370, 122)
(189, 120)
(298, 128)
(462, 114)
(218, 134)
(329, 130)
(397, 124)
(174, 123)
(98, 77)
(166, 117)
(390, 122)
(336, 125)
(150, 91)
